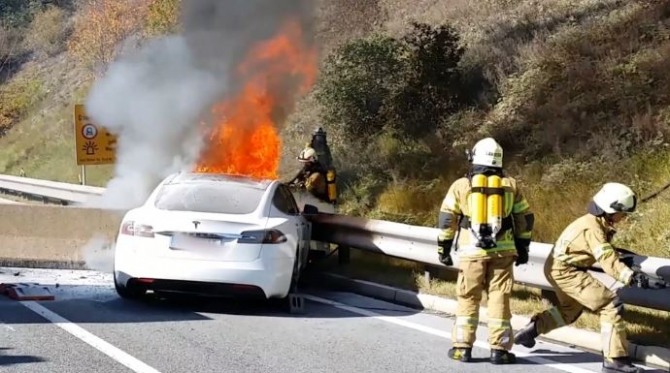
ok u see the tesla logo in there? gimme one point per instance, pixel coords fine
(196, 223)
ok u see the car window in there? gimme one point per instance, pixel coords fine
(284, 204)
(210, 197)
(291, 200)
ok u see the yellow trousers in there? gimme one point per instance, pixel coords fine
(496, 277)
(575, 290)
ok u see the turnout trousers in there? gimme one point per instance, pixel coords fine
(495, 276)
(576, 290)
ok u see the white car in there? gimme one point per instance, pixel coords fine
(213, 234)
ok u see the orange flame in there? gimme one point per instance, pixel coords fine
(245, 139)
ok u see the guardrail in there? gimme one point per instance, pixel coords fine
(414, 243)
(47, 191)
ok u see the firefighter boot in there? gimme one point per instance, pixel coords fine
(502, 357)
(461, 354)
(526, 336)
(619, 365)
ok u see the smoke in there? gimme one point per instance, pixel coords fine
(99, 254)
(156, 99)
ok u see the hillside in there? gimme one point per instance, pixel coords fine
(574, 89)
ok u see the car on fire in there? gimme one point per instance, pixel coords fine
(213, 235)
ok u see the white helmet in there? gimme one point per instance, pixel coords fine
(307, 155)
(487, 152)
(615, 197)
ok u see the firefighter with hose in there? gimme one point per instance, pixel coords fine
(494, 225)
(584, 242)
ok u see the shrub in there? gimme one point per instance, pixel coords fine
(358, 82)
(405, 87)
(163, 17)
(99, 28)
(16, 98)
(48, 31)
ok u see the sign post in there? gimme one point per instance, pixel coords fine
(94, 145)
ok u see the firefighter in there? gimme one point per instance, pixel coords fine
(312, 176)
(584, 242)
(494, 225)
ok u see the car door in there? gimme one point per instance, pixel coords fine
(301, 225)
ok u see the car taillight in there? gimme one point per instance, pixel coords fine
(265, 236)
(130, 228)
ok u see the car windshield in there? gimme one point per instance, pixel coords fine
(208, 196)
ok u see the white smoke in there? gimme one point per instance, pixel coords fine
(99, 254)
(152, 100)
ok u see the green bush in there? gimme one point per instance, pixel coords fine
(405, 87)
(358, 83)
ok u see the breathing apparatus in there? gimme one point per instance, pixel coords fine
(485, 201)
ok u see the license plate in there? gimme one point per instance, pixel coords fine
(188, 242)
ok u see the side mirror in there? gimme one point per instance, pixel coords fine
(310, 210)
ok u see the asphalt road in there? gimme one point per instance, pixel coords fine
(88, 328)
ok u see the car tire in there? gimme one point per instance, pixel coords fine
(128, 292)
(287, 303)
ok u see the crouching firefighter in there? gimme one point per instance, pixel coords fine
(494, 224)
(583, 243)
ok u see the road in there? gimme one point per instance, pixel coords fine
(88, 328)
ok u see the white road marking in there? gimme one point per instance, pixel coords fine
(94, 341)
(8, 327)
(443, 334)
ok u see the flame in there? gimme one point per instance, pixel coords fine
(245, 139)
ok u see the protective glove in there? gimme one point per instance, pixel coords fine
(443, 251)
(522, 247)
(639, 280)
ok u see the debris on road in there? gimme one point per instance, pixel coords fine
(26, 291)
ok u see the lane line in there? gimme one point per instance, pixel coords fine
(91, 339)
(446, 335)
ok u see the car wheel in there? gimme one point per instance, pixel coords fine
(128, 292)
(292, 302)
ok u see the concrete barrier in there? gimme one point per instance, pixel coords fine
(43, 235)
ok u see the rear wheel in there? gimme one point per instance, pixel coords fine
(293, 302)
(128, 291)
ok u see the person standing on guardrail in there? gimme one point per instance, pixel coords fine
(583, 243)
(494, 225)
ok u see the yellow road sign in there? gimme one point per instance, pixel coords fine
(94, 144)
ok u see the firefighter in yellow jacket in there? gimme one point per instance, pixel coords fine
(312, 176)
(494, 225)
(583, 243)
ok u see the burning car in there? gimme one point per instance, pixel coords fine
(214, 234)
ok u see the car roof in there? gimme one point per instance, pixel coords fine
(198, 177)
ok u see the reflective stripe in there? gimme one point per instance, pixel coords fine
(501, 325)
(509, 203)
(524, 235)
(447, 234)
(625, 275)
(602, 250)
(556, 315)
(520, 206)
(463, 323)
